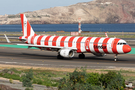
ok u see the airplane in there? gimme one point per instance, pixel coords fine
(67, 46)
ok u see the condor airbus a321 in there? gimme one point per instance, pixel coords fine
(67, 46)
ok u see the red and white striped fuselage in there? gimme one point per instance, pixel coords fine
(83, 44)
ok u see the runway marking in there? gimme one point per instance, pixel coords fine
(33, 64)
(74, 66)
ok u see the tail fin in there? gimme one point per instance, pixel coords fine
(26, 27)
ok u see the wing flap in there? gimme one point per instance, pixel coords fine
(58, 47)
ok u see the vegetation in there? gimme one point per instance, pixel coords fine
(79, 79)
(27, 79)
(13, 16)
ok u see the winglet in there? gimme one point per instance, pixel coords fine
(7, 38)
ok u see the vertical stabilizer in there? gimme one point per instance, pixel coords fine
(26, 27)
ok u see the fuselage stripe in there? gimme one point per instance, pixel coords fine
(62, 41)
(114, 49)
(47, 40)
(54, 41)
(87, 44)
(70, 42)
(95, 45)
(78, 44)
(39, 40)
(104, 44)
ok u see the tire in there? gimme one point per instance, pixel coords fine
(81, 56)
(115, 59)
(59, 57)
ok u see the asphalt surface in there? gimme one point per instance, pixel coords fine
(35, 57)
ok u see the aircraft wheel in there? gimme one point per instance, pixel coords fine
(115, 59)
(59, 57)
(81, 56)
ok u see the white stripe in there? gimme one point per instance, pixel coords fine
(83, 44)
(92, 45)
(100, 44)
(25, 25)
(74, 42)
(29, 39)
(50, 40)
(66, 41)
(35, 40)
(32, 32)
(120, 47)
(43, 40)
(109, 45)
(58, 41)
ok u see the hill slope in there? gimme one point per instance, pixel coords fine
(97, 11)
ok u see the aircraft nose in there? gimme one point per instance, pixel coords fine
(126, 48)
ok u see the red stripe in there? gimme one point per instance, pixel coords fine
(21, 15)
(35, 34)
(87, 42)
(46, 40)
(114, 49)
(54, 41)
(39, 40)
(28, 29)
(62, 41)
(20, 37)
(105, 45)
(70, 42)
(78, 44)
(96, 45)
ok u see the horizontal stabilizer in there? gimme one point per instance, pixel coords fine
(7, 38)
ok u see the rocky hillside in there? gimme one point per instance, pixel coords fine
(97, 11)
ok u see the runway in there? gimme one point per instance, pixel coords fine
(35, 57)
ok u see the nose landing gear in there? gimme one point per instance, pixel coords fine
(115, 58)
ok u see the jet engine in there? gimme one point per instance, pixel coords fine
(67, 53)
(99, 54)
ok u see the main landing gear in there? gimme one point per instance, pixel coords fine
(59, 56)
(115, 57)
(81, 56)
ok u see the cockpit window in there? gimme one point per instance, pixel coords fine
(122, 44)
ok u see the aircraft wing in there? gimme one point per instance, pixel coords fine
(44, 46)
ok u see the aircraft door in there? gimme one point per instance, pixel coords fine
(87, 47)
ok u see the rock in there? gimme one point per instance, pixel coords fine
(4, 87)
(96, 11)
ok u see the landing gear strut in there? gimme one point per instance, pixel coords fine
(115, 58)
(81, 56)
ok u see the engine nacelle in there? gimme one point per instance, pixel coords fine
(99, 54)
(67, 53)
